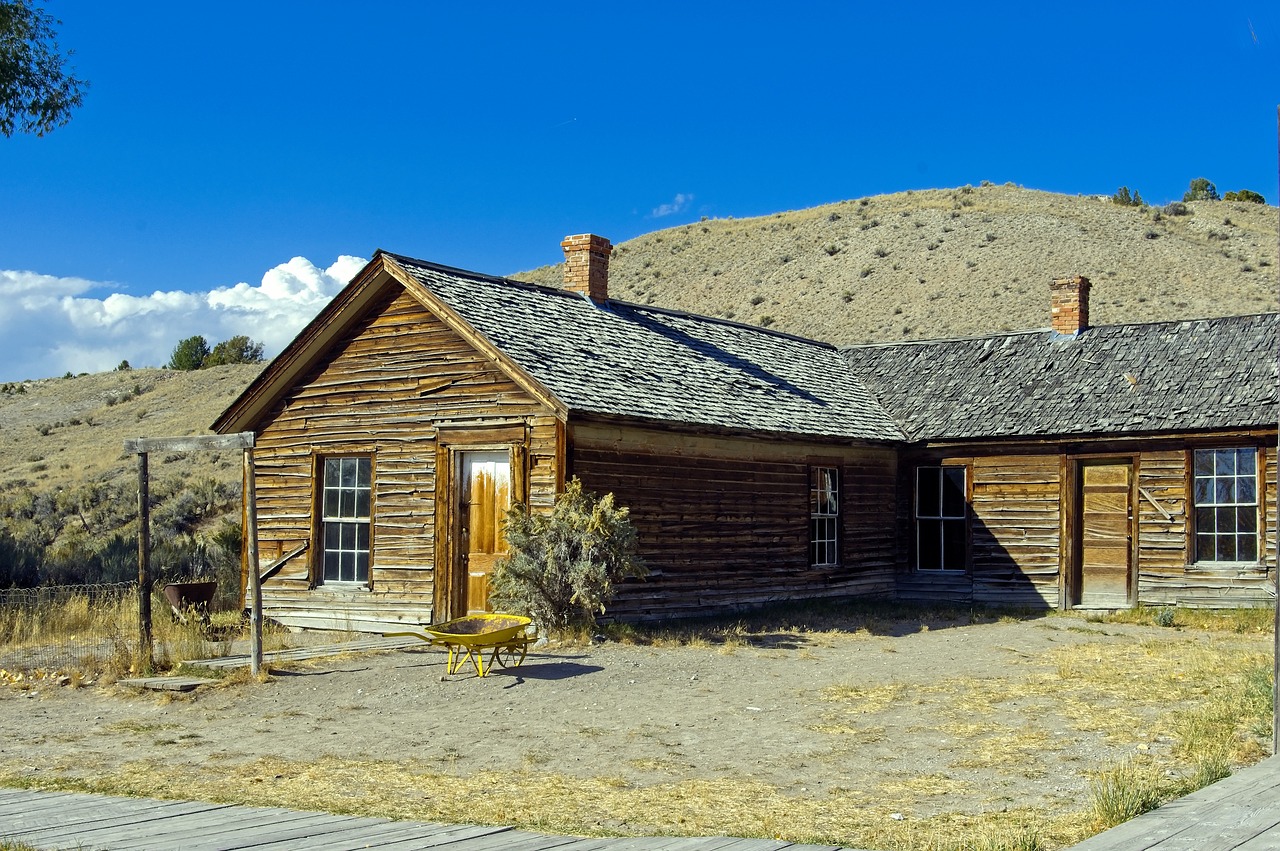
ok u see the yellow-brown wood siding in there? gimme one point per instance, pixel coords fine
(724, 522)
(383, 391)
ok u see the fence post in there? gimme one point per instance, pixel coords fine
(146, 658)
(251, 556)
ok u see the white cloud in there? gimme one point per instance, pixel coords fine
(678, 205)
(53, 325)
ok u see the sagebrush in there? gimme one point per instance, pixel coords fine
(563, 565)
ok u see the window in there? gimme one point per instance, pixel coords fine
(940, 518)
(824, 516)
(1226, 497)
(345, 519)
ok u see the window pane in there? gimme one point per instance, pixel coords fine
(364, 472)
(1204, 491)
(331, 566)
(1204, 462)
(347, 504)
(362, 536)
(1246, 462)
(362, 567)
(929, 548)
(1247, 519)
(1226, 547)
(332, 536)
(953, 491)
(928, 502)
(362, 504)
(1247, 547)
(348, 472)
(1226, 518)
(332, 466)
(953, 545)
(1224, 491)
(1206, 549)
(1205, 521)
(1247, 489)
(1224, 462)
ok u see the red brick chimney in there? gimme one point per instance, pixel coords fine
(586, 265)
(1069, 304)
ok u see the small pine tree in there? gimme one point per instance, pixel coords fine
(562, 565)
(1201, 189)
(189, 354)
(1125, 199)
(239, 349)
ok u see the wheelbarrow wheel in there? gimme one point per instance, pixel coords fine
(511, 655)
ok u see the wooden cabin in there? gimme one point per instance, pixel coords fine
(1078, 466)
(1057, 468)
(400, 424)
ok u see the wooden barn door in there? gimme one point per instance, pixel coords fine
(485, 491)
(1104, 547)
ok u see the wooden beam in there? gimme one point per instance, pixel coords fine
(194, 443)
(251, 553)
(146, 659)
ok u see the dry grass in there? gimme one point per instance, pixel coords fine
(557, 803)
(878, 268)
(1188, 706)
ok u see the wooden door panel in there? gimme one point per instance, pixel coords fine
(1105, 535)
(486, 493)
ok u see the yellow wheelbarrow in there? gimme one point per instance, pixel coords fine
(502, 637)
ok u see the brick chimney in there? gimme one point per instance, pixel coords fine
(1069, 305)
(586, 265)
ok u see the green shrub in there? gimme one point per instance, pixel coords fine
(562, 566)
(1201, 189)
(1246, 195)
(1125, 199)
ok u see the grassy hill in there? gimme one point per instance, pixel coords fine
(952, 262)
(911, 265)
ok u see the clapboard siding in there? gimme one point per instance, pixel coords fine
(1014, 549)
(724, 522)
(382, 390)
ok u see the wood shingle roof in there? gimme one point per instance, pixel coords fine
(1191, 375)
(617, 359)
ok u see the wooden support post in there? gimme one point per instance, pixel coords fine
(251, 556)
(145, 660)
(1275, 632)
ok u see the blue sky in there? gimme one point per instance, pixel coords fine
(229, 155)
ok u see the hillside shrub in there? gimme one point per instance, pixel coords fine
(1125, 199)
(1246, 195)
(1201, 189)
(1176, 208)
(562, 566)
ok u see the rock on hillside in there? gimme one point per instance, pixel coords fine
(952, 262)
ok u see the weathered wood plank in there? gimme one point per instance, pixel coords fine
(192, 443)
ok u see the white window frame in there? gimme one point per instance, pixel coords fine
(824, 516)
(1222, 496)
(346, 520)
(941, 523)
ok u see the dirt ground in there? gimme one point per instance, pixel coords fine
(919, 719)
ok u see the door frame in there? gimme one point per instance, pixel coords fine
(449, 587)
(1071, 563)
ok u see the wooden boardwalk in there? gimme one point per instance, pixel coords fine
(60, 820)
(1241, 812)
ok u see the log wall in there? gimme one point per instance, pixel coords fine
(724, 522)
(394, 383)
(1017, 504)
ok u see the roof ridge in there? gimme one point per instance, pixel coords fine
(649, 308)
(1046, 330)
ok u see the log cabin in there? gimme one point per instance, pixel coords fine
(1073, 467)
